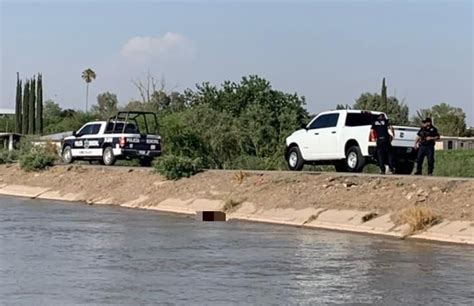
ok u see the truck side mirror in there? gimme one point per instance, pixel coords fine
(74, 133)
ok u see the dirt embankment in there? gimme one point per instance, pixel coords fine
(452, 200)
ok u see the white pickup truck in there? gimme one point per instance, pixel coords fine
(342, 138)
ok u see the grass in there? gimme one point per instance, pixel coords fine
(231, 204)
(417, 219)
(453, 163)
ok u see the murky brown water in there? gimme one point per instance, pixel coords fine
(62, 253)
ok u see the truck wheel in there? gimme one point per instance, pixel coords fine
(108, 156)
(354, 160)
(294, 159)
(67, 155)
(405, 167)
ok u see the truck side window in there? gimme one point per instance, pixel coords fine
(95, 129)
(324, 121)
(332, 120)
(85, 130)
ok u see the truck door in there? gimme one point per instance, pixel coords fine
(328, 138)
(319, 134)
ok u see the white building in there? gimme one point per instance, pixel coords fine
(455, 143)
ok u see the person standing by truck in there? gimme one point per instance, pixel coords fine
(425, 143)
(381, 128)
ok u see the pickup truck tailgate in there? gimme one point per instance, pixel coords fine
(404, 136)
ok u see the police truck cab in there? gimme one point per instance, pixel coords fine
(124, 136)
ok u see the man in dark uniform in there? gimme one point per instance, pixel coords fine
(384, 147)
(425, 143)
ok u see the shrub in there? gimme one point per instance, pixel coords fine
(417, 219)
(8, 157)
(175, 167)
(38, 158)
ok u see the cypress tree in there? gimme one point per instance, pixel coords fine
(384, 96)
(18, 113)
(26, 103)
(31, 108)
(39, 105)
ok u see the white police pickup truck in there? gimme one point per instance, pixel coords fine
(342, 138)
(117, 138)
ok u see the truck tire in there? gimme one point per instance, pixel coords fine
(108, 156)
(404, 167)
(294, 159)
(355, 162)
(67, 155)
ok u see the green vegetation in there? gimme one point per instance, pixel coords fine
(8, 157)
(176, 167)
(454, 163)
(450, 121)
(38, 158)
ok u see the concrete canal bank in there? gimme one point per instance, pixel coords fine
(404, 207)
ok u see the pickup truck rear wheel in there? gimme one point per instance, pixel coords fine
(354, 160)
(108, 156)
(294, 159)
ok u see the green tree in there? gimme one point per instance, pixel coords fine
(106, 105)
(18, 106)
(450, 121)
(395, 110)
(88, 76)
(31, 107)
(26, 103)
(39, 106)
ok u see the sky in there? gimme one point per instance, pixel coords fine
(328, 51)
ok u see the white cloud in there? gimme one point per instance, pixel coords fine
(172, 46)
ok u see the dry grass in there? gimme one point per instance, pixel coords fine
(240, 176)
(231, 204)
(417, 218)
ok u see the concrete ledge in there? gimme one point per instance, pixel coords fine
(341, 220)
(57, 196)
(22, 191)
(450, 231)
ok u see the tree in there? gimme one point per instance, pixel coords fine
(88, 75)
(395, 110)
(39, 106)
(31, 107)
(384, 94)
(450, 121)
(106, 105)
(26, 104)
(18, 106)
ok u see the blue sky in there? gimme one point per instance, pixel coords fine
(328, 51)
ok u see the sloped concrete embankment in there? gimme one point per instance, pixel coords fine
(331, 219)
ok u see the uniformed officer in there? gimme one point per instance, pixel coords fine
(384, 147)
(425, 143)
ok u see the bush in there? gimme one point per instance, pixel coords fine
(38, 158)
(175, 167)
(8, 157)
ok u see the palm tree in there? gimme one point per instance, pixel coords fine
(88, 75)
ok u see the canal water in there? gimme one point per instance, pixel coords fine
(55, 253)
